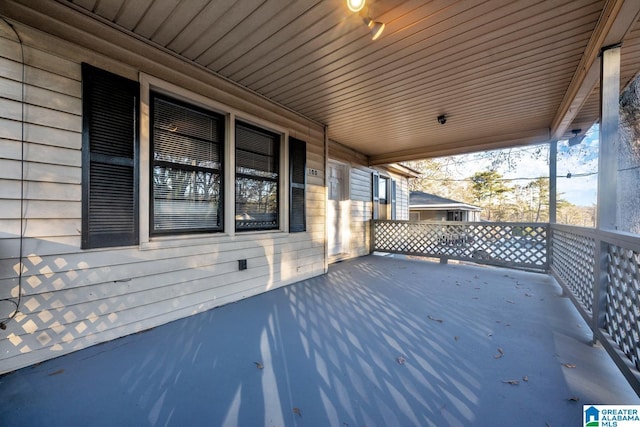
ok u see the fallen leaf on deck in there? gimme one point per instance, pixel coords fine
(430, 317)
(500, 353)
(259, 365)
(525, 378)
(58, 372)
(569, 365)
(400, 360)
(573, 399)
(528, 295)
(297, 411)
(510, 302)
(512, 382)
(456, 338)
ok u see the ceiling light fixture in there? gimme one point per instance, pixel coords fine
(355, 5)
(575, 139)
(376, 28)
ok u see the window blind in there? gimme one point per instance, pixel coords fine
(257, 176)
(187, 167)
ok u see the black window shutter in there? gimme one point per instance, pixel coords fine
(297, 180)
(109, 159)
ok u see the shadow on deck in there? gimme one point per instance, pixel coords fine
(377, 341)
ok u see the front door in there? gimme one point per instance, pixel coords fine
(338, 214)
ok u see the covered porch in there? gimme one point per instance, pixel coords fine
(376, 341)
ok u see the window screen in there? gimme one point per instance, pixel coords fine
(109, 159)
(257, 175)
(187, 168)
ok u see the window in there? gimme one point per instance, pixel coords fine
(384, 197)
(454, 215)
(375, 195)
(382, 190)
(109, 159)
(297, 176)
(187, 186)
(394, 204)
(257, 176)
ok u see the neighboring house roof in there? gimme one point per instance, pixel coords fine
(419, 200)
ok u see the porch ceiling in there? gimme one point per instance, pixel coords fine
(503, 72)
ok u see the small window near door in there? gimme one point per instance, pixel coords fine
(382, 197)
(383, 190)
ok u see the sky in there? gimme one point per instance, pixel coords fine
(533, 162)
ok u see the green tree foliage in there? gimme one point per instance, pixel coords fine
(501, 199)
(488, 187)
(539, 189)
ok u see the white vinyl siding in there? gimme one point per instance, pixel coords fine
(73, 298)
(402, 196)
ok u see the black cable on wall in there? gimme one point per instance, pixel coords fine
(17, 300)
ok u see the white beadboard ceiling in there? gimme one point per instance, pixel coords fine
(503, 72)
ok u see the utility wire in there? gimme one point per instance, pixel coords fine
(630, 168)
(17, 300)
(570, 175)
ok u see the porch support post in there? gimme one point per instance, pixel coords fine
(553, 180)
(609, 118)
(326, 198)
(607, 175)
(553, 203)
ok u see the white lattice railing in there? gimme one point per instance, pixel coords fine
(600, 271)
(574, 262)
(517, 245)
(622, 309)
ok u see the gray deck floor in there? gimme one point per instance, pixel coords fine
(377, 341)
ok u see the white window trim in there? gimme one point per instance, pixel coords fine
(149, 83)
